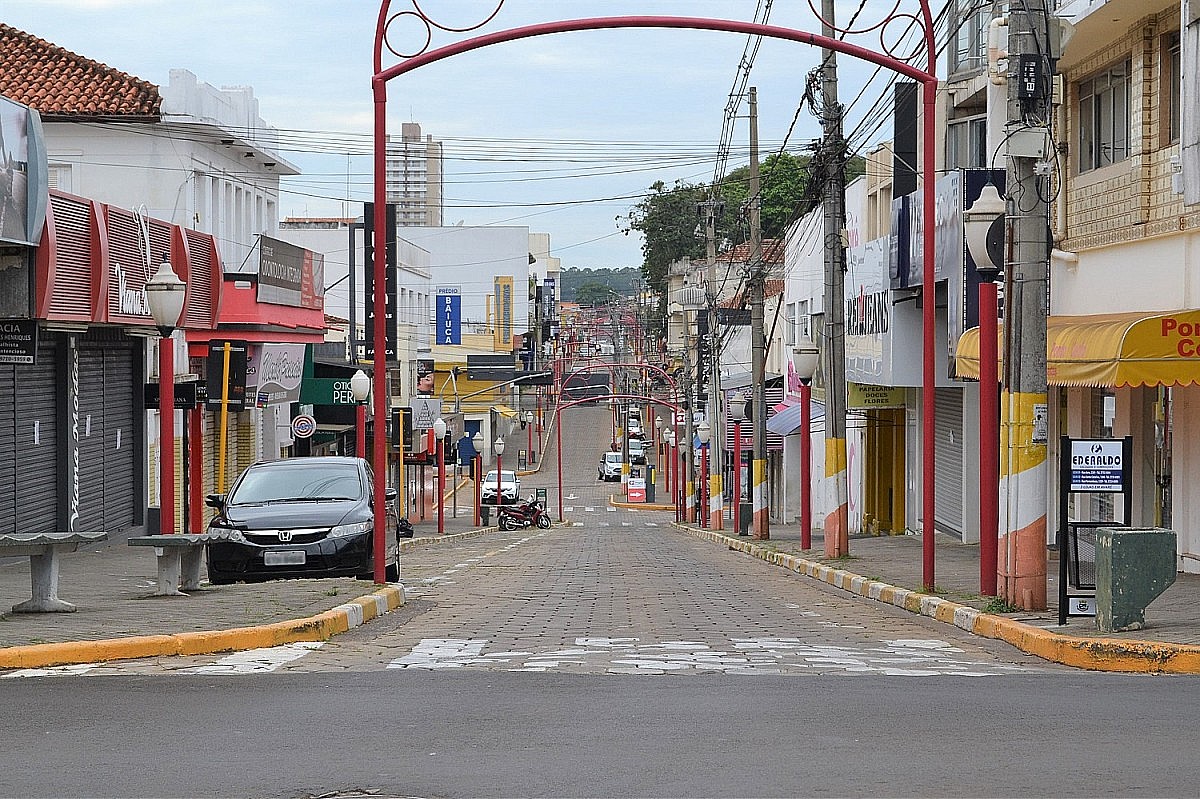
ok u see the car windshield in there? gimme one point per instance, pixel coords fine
(505, 477)
(279, 483)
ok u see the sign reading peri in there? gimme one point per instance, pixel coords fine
(449, 315)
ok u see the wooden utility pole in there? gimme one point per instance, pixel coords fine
(837, 532)
(757, 278)
(1022, 546)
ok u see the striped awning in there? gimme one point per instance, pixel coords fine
(1125, 349)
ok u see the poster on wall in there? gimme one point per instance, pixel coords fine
(274, 373)
(290, 275)
(23, 174)
(503, 287)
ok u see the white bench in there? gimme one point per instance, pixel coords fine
(44, 550)
(179, 556)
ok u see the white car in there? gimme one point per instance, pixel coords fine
(510, 488)
(610, 466)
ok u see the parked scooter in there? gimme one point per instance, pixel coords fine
(529, 513)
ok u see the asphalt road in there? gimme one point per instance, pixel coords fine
(611, 657)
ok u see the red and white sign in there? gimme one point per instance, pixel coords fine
(636, 489)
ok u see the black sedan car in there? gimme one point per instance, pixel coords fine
(299, 517)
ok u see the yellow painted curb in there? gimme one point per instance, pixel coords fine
(616, 503)
(1094, 654)
(314, 628)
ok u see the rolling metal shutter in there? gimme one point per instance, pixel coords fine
(948, 461)
(29, 444)
(109, 407)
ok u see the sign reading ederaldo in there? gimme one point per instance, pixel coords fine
(1097, 465)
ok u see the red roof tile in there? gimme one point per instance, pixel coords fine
(62, 85)
(772, 253)
(772, 287)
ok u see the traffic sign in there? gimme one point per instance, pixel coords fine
(303, 426)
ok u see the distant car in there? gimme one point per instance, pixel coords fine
(299, 517)
(633, 428)
(510, 488)
(610, 466)
(637, 451)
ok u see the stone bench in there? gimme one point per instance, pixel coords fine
(44, 551)
(179, 556)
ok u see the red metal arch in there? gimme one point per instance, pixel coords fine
(927, 77)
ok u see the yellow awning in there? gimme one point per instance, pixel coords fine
(1125, 349)
(505, 411)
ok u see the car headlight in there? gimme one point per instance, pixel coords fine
(226, 533)
(343, 530)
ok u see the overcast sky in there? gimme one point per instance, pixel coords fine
(561, 133)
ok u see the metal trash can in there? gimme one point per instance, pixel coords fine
(745, 518)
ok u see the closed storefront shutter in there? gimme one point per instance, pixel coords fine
(110, 404)
(948, 461)
(29, 444)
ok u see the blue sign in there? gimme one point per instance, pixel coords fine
(449, 317)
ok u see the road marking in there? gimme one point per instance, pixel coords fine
(627, 524)
(652, 524)
(587, 509)
(764, 655)
(611, 510)
(569, 509)
(258, 661)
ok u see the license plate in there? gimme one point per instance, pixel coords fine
(287, 558)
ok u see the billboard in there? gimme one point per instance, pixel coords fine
(23, 174)
(290, 275)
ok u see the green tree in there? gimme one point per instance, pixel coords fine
(593, 293)
(666, 218)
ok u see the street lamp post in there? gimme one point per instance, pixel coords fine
(737, 412)
(528, 420)
(703, 516)
(165, 294)
(499, 447)
(671, 466)
(477, 440)
(983, 228)
(439, 433)
(805, 357)
(360, 389)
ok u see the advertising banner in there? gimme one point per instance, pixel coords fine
(235, 379)
(18, 341)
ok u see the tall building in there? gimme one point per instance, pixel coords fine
(414, 177)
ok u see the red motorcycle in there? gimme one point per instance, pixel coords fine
(529, 513)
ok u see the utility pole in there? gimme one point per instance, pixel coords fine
(1022, 546)
(711, 208)
(757, 278)
(837, 533)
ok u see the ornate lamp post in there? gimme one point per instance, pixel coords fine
(805, 357)
(737, 412)
(703, 433)
(477, 440)
(499, 447)
(439, 432)
(360, 389)
(165, 294)
(527, 423)
(983, 227)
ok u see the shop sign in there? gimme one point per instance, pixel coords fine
(1097, 466)
(864, 396)
(274, 373)
(18, 341)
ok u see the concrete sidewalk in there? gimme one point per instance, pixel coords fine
(118, 616)
(889, 569)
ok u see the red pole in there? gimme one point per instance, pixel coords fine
(928, 317)
(737, 476)
(499, 482)
(805, 465)
(196, 442)
(441, 484)
(360, 432)
(379, 343)
(166, 435)
(478, 485)
(989, 440)
(529, 452)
